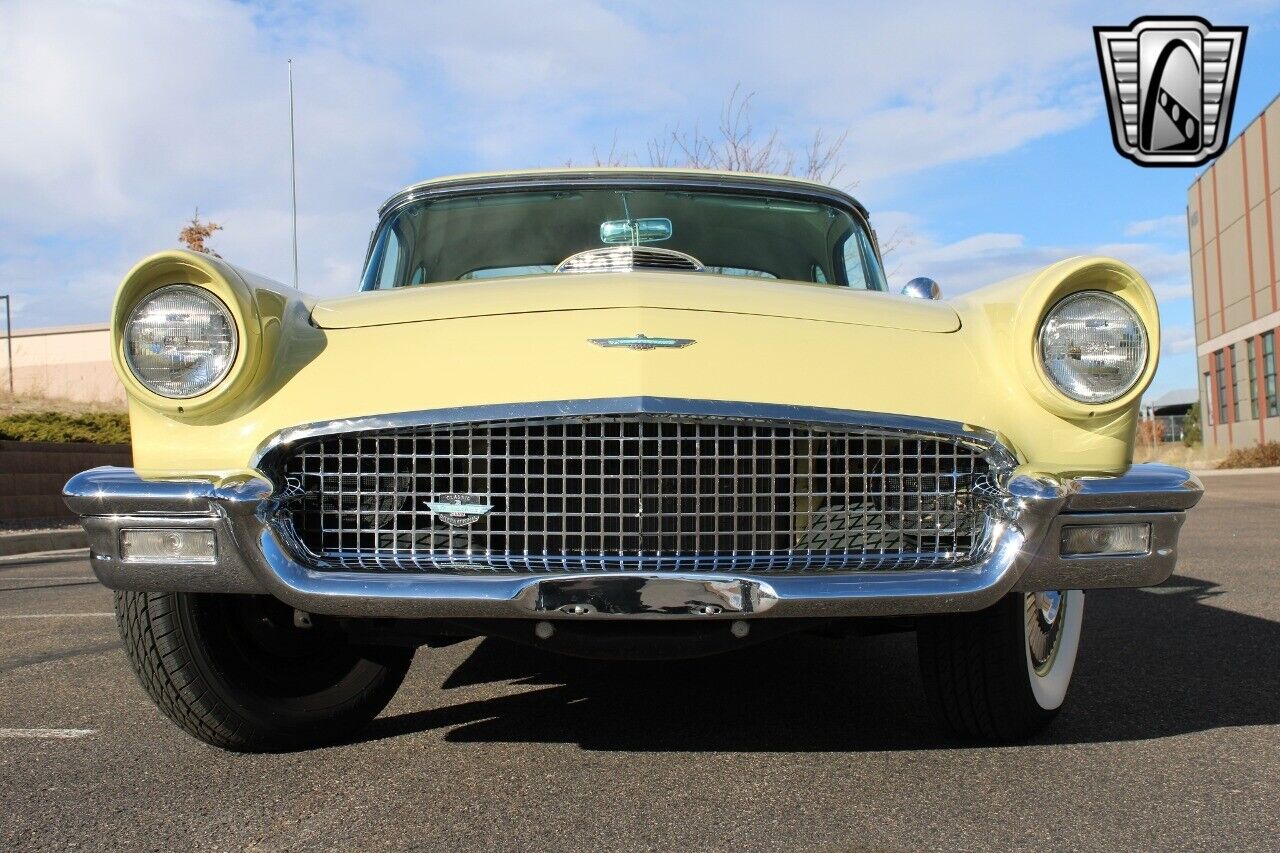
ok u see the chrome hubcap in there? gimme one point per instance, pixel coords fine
(1044, 615)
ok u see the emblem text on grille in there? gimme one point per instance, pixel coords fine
(458, 510)
(1170, 84)
(641, 341)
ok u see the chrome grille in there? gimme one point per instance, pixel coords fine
(636, 492)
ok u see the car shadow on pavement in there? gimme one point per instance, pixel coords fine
(1154, 663)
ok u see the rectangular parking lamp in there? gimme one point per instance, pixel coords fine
(168, 545)
(1089, 540)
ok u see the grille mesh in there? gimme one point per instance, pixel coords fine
(635, 492)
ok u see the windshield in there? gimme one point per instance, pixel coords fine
(529, 233)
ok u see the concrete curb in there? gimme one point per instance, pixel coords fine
(1235, 472)
(42, 540)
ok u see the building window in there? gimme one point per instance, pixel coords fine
(1253, 378)
(1235, 386)
(1220, 374)
(1269, 372)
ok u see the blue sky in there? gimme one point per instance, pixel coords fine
(976, 131)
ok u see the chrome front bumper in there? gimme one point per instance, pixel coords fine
(252, 558)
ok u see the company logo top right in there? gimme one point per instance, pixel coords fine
(1170, 84)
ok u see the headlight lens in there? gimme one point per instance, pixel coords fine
(1093, 347)
(180, 341)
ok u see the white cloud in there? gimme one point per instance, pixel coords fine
(1176, 340)
(985, 258)
(120, 118)
(963, 265)
(1175, 225)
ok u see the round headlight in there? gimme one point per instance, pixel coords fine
(1093, 347)
(180, 341)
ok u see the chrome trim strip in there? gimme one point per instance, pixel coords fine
(469, 185)
(990, 442)
(1151, 487)
(120, 491)
(516, 596)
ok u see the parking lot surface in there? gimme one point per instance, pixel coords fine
(1170, 738)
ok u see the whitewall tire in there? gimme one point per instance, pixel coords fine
(1002, 674)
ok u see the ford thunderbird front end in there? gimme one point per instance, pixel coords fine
(639, 398)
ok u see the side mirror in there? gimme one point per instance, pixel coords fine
(922, 288)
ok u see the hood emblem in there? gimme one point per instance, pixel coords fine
(642, 341)
(458, 510)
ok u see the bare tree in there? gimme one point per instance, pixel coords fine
(735, 146)
(196, 232)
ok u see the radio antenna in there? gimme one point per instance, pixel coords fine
(293, 178)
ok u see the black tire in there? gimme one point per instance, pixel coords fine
(233, 671)
(979, 673)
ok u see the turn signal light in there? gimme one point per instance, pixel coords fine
(1088, 540)
(168, 545)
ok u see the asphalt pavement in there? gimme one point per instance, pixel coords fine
(1170, 738)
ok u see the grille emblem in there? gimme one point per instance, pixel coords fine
(459, 510)
(642, 341)
(1170, 85)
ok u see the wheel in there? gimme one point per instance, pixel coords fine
(1001, 674)
(235, 672)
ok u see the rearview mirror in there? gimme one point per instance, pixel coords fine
(634, 231)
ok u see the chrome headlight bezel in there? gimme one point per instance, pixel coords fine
(215, 376)
(1074, 393)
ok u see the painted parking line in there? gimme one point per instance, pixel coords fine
(44, 557)
(7, 578)
(54, 615)
(50, 734)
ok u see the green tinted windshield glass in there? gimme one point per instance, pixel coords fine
(481, 236)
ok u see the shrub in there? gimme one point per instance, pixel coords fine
(1150, 431)
(1191, 426)
(1258, 456)
(89, 427)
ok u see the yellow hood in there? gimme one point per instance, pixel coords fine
(679, 291)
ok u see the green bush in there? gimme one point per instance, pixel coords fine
(1258, 456)
(1191, 426)
(90, 428)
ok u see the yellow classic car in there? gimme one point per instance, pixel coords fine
(618, 413)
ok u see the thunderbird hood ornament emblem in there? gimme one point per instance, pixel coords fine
(459, 510)
(641, 341)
